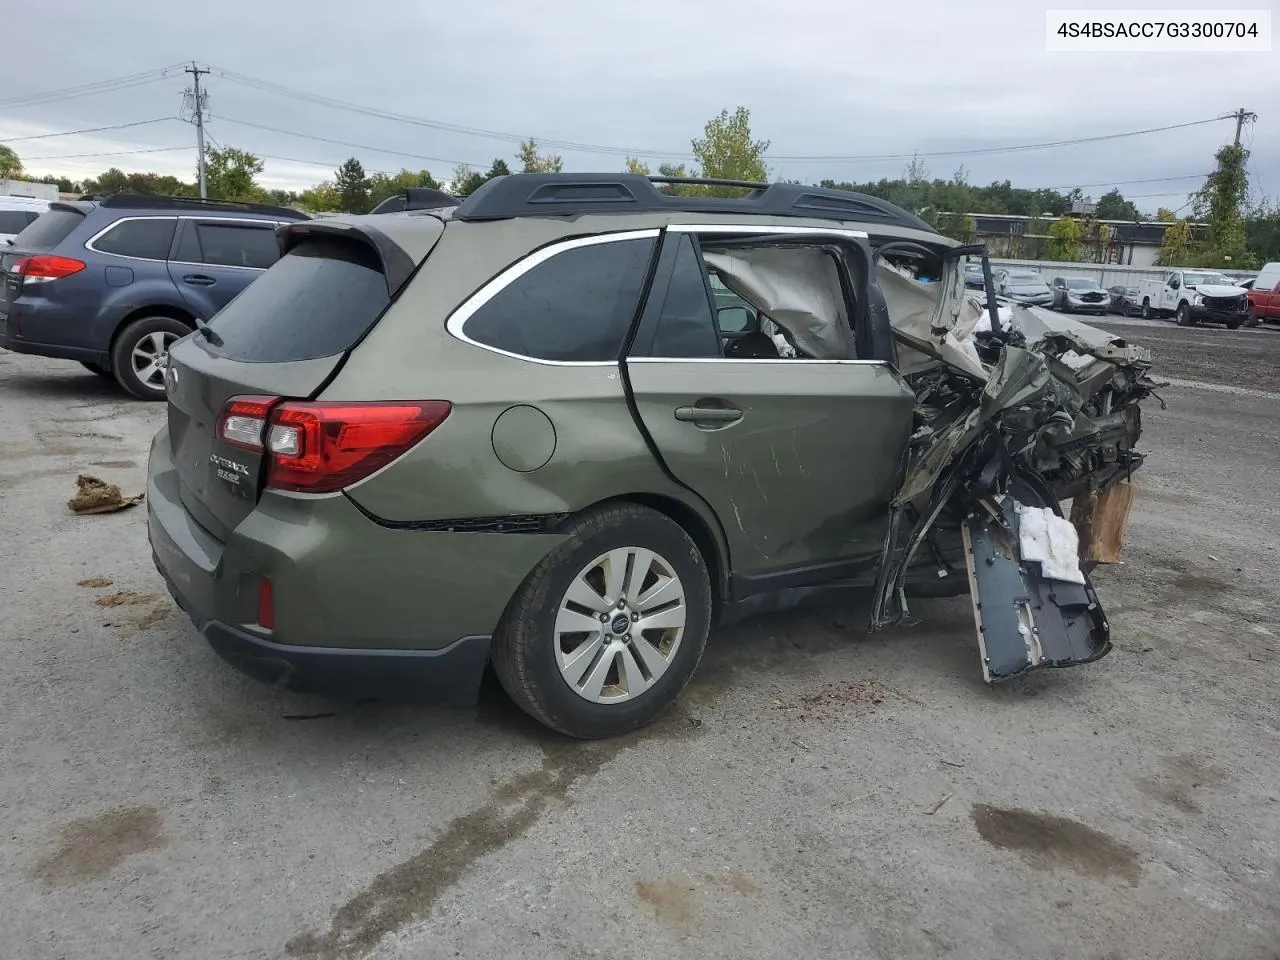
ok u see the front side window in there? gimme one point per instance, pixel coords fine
(148, 238)
(575, 306)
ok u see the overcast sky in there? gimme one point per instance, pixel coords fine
(822, 78)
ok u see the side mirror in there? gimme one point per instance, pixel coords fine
(733, 319)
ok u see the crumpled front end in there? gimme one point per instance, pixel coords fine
(1012, 418)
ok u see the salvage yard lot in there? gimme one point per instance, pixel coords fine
(816, 792)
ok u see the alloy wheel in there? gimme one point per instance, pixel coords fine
(150, 358)
(619, 625)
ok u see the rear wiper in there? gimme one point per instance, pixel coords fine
(209, 333)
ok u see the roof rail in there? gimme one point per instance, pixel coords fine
(416, 198)
(132, 201)
(574, 194)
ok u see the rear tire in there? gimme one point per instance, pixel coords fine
(1183, 316)
(99, 369)
(141, 352)
(547, 667)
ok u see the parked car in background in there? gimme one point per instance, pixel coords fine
(1195, 296)
(1264, 294)
(16, 214)
(407, 451)
(973, 276)
(1023, 286)
(1079, 295)
(1124, 299)
(113, 281)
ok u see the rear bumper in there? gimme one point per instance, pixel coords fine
(450, 675)
(360, 609)
(21, 332)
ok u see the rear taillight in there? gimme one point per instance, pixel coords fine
(44, 267)
(324, 446)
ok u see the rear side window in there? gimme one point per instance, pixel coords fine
(576, 306)
(237, 245)
(49, 230)
(148, 239)
(14, 221)
(686, 326)
(316, 301)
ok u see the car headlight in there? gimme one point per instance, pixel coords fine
(1197, 300)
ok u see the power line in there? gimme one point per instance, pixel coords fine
(281, 90)
(343, 143)
(121, 153)
(85, 89)
(1122, 183)
(69, 133)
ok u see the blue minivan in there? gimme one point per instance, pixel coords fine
(113, 281)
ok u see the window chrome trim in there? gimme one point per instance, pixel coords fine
(768, 230)
(89, 244)
(456, 323)
(789, 361)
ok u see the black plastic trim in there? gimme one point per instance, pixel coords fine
(128, 201)
(513, 523)
(397, 266)
(571, 194)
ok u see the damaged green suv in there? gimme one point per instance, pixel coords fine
(568, 425)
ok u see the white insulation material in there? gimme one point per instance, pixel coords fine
(1048, 538)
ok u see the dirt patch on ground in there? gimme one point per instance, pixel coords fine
(94, 583)
(835, 701)
(125, 598)
(1047, 842)
(672, 901)
(93, 847)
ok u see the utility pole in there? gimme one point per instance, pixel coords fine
(199, 101)
(1241, 116)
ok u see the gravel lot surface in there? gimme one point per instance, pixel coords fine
(817, 792)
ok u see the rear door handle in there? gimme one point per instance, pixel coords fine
(199, 280)
(696, 414)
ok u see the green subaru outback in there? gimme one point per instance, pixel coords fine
(568, 425)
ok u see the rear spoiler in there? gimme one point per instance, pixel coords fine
(397, 265)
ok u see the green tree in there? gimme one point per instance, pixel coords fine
(673, 170)
(352, 186)
(1262, 231)
(636, 165)
(382, 185)
(1064, 239)
(114, 180)
(1220, 203)
(63, 184)
(1175, 246)
(10, 165)
(1113, 206)
(726, 151)
(533, 162)
(230, 174)
(466, 181)
(499, 168)
(322, 198)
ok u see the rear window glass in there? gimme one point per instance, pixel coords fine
(148, 239)
(576, 306)
(49, 230)
(316, 301)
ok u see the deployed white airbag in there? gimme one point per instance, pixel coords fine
(1051, 540)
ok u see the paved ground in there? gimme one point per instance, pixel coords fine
(817, 793)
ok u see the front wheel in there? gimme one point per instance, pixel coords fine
(1184, 316)
(1146, 309)
(141, 355)
(606, 631)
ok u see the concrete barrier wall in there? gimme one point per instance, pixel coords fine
(1107, 274)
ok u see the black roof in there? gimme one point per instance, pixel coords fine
(574, 194)
(140, 201)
